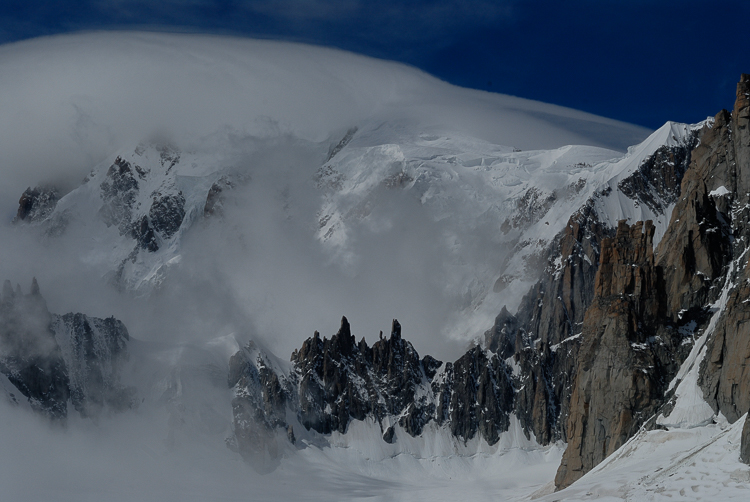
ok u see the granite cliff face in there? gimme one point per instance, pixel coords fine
(629, 352)
(649, 307)
(725, 379)
(543, 338)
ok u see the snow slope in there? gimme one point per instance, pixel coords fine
(677, 464)
(159, 173)
(150, 456)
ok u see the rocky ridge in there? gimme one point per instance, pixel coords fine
(635, 337)
(145, 198)
(337, 380)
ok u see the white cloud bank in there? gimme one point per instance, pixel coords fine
(69, 101)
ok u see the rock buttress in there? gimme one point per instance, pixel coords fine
(626, 358)
(725, 161)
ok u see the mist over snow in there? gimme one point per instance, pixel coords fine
(126, 458)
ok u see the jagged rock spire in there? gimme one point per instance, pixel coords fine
(36, 204)
(396, 330)
(344, 337)
(34, 287)
(8, 294)
(345, 327)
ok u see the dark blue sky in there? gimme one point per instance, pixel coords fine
(639, 61)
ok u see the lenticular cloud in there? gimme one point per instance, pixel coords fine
(69, 101)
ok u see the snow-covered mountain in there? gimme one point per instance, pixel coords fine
(242, 194)
(489, 212)
(136, 209)
(274, 113)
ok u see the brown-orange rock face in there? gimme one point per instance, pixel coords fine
(626, 357)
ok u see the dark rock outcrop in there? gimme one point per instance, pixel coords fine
(745, 442)
(334, 149)
(166, 213)
(53, 359)
(94, 351)
(725, 376)
(340, 380)
(215, 198)
(163, 221)
(118, 193)
(337, 380)
(474, 396)
(144, 235)
(36, 204)
(656, 183)
(530, 208)
(262, 395)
